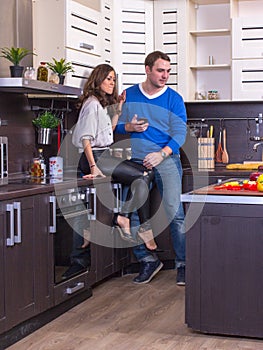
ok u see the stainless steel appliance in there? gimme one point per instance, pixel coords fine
(3, 160)
(73, 210)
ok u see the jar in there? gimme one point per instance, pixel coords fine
(42, 72)
(53, 78)
(212, 95)
(117, 152)
(128, 153)
(30, 73)
(35, 169)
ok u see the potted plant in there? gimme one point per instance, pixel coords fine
(15, 55)
(45, 123)
(60, 67)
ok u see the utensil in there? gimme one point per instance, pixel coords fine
(219, 151)
(211, 130)
(225, 157)
(249, 153)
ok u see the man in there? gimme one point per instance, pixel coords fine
(155, 142)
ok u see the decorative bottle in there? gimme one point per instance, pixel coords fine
(42, 72)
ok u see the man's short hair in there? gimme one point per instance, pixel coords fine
(154, 56)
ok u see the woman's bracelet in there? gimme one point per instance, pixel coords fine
(118, 112)
(92, 165)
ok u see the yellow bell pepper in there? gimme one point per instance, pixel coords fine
(260, 183)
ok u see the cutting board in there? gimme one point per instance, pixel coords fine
(210, 190)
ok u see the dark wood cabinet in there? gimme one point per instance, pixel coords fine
(224, 270)
(20, 277)
(43, 267)
(103, 240)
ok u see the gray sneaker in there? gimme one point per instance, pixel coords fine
(147, 271)
(180, 278)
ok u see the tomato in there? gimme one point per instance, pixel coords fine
(250, 185)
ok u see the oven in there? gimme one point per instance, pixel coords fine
(73, 212)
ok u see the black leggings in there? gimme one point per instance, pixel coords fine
(125, 172)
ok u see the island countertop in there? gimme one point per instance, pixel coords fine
(209, 194)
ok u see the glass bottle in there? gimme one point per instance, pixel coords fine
(30, 73)
(42, 72)
(42, 162)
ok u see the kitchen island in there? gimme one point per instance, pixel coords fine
(224, 265)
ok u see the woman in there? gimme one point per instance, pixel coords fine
(100, 107)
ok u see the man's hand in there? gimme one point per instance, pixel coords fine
(152, 160)
(136, 125)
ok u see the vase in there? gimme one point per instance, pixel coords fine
(16, 71)
(61, 79)
(44, 136)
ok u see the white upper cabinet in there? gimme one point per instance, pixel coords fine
(133, 39)
(83, 28)
(247, 50)
(248, 37)
(78, 30)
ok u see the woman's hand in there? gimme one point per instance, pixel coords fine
(122, 98)
(95, 172)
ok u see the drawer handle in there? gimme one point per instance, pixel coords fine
(11, 241)
(86, 46)
(78, 286)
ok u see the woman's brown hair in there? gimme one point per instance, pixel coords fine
(92, 86)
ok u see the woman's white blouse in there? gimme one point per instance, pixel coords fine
(93, 124)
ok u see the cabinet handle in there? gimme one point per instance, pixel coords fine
(86, 46)
(53, 228)
(92, 192)
(77, 214)
(117, 187)
(120, 196)
(11, 240)
(18, 236)
(78, 286)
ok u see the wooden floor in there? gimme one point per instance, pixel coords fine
(124, 316)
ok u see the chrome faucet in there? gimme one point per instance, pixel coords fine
(256, 145)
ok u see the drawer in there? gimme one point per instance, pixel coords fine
(83, 28)
(247, 37)
(247, 79)
(83, 63)
(70, 288)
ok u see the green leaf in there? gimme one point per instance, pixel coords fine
(60, 67)
(15, 54)
(46, 120)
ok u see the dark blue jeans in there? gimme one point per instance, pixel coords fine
(168, 178)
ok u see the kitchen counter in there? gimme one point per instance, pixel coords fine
(26, 186)
(209, 194)
(193, 178)
(224, 245)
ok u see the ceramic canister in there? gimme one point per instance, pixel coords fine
(56, 166)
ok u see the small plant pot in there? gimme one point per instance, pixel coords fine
(44, 136)
(16, 71)
(61, 79)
